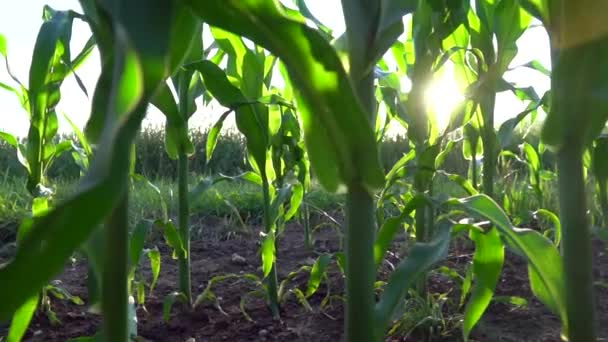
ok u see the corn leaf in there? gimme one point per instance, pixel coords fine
(391, 226)
(21, 319)
(252, 120)
(579, 98)
(421, 257)
(545, 264)
(487, 265)
(214, 134)
(316, 273)
(268, 253)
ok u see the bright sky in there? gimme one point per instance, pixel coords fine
(21, 20)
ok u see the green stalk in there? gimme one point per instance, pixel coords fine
(421, 221)
(473, 165)
(489, 142)
(360, 268)
(115, 295)
(183, 208)
(306, 219)
(360, 231)
(603, 196)
(576, 244)
(184, 227)
(271, 281)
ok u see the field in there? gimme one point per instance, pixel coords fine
(361, 186)
(503, 321)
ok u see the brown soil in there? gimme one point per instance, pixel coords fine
(502, 322)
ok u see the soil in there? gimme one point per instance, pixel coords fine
(226, 322)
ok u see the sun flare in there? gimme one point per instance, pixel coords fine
(442, 96)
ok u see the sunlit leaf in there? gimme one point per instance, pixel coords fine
(420, 258)
(21, 319)
(268, 253)
(487, 266)
(316, 273)
(544, 261)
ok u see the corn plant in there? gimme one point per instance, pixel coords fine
(578, 112)
(178, 144)
(505, 21)
(133, 65)
(51, 64)
(489, 248)
(273, 140)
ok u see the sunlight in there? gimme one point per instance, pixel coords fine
(442, 97)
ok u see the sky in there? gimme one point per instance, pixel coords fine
(21, 20)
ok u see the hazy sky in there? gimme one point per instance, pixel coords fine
(21, 20)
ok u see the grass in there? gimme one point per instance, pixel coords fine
(221, 200)
(227, 199)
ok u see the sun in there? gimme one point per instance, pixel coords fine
(442, 97)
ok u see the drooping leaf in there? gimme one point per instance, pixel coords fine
(507, 128)
(316, 273)
(544, 261)
(154, 257)
(172, 237)
(204, 185)
(391, 226)
(251, 120)
(510, 23)
(557, 226)
(136, 242)
(297, 195)
(169, 301)
(213, 135)
(600, 158)
(421, 257)
(537, 8)
(487, 266)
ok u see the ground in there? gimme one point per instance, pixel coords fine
(213, 254)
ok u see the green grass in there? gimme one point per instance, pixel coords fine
(220, 200)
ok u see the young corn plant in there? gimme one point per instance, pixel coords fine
(51, 64)
(273, 140)
(489, 251)
(178, 144)
(578, 112)
(505, 21)
(137, 56)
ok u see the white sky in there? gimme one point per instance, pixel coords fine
(21, 20)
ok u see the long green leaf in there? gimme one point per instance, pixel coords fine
(21, 319)
(421, 257)
(316, 273)
(250, 119)
(213, 135)
(391, 226)
(487, 265)
(268, 253)
(545, 264)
